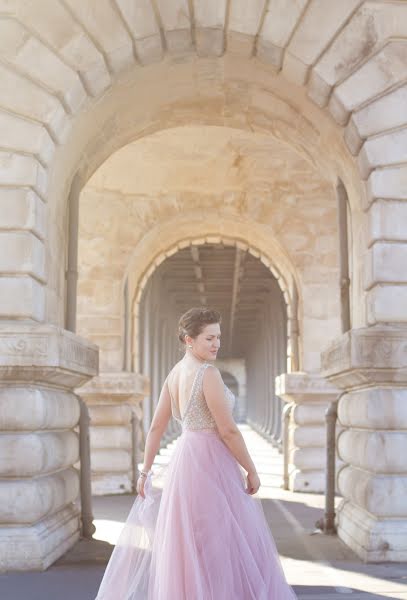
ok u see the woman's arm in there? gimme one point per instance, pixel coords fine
(215, 398)
(158, 426)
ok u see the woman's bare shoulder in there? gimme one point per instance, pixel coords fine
(212, 374)
(175, 369)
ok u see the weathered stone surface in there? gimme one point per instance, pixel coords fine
(28, 54)
(68, 38)
(110, 387)
(18, 94)
(378, 452)
(27, 501)
(385, 69)
(38, 445)
(113, 400)
(26, 136)
(279, 23)
(367, 363)
(81, 79)
(364, 409)
(20, 170)
(32, 453)
(388, 183)
(22, 252)
(383, 150)
(33, 409)
(45, 353)
(387, 112)
(386, 304)
(167, 196)
(387, 221)
(22, 209)
(22, 298)
(366, 356)
(305, 48)
(374, 540)
(379, 494)
(372, 24)
(37, 547)
(105, 25)
(385, 263)
(311, 396)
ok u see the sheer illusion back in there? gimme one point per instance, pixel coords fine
(188, 402)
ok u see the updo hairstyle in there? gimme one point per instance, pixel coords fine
(194, 320)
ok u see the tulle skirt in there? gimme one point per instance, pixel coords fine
(203, 537)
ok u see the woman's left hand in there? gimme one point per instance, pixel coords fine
(140, 486)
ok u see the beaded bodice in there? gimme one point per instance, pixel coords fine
(197, 414)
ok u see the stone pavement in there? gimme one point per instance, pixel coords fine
(318, 567)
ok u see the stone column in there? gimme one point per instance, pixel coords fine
(39, 365)
(114, 400)
(370, 364)
(310, 396)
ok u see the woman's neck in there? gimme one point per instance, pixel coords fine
(191, 358)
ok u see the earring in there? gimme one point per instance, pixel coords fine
(189, 345)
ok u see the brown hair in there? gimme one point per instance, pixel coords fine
(194, 320)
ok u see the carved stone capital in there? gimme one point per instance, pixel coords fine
(301, 387)
(43, 353)
(115, 387)
(366, 357)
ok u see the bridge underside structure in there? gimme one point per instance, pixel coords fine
(158, 154)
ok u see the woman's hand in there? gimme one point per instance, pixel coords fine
(140, 485)
(253, 483)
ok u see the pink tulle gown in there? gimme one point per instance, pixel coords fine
(204, 537)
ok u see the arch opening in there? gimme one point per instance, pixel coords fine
(253, 348)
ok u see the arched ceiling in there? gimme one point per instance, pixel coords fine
(200, 175)
(207, 160)
(228, 279)
(56, 56)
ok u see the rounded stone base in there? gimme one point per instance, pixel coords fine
(35, 548)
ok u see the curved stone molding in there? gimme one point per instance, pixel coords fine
(28, 501)
(375, 451)
(30, 408)
(117, 386)
(381, 495)
(364, 409)
(29, 454)
(367, 356)
(44, 353)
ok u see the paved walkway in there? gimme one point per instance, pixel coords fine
(317, 566)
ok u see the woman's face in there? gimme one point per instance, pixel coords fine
(206, 345)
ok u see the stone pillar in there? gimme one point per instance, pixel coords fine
(114, 399)
(39, 365)
(310, 396)
(370, 364)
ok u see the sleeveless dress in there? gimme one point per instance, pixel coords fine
(203, 537)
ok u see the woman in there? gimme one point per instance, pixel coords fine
(205, 537)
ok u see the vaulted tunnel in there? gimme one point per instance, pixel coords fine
(254, 327)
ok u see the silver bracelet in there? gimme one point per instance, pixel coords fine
(143, 474)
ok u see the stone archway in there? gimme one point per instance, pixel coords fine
(330, 83)
(140, 271)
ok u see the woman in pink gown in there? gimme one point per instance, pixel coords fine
(204, 537)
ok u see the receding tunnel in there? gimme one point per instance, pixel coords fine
(254, 328)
